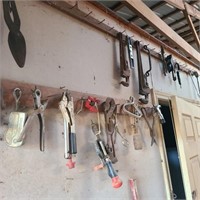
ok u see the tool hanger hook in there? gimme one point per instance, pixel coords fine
(131, 102)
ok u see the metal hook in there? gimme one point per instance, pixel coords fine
(74, 5)
(111, 28)
(17, 95)
(88, 14)
(131, 102)
(101, 21)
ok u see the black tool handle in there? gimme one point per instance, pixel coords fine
(177, 66)
(72, 143)
(8, 8)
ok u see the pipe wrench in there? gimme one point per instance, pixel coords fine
(124, 67)
(143, 84)
(39, 108)
(66, 106)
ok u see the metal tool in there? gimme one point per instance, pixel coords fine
(147, 73)
(104, 156)
(177, 68)
(195, 73)
(131, 103)
(143, 84)
(129, 42)
(16, 40)
(109, 108)
(40, 107)
(90, 104)
(160, 115)
(124, 67)
(66, 106)
(163, 61)
(170, 66)
(152, 133)
(14, 135)
(133, 187)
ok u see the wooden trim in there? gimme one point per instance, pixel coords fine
(149, 16)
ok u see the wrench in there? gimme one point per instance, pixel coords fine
(143, 85)
(125, 71)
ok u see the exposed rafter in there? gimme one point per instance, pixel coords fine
(194, 32)
(181, 5)
(158, 24)
(154, 7)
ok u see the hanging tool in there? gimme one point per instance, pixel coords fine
(16, 40)
(195, 73)
(124, 67)
(170, 66)
(104, 156)
(129, 42)
(109, 108)
(41, 106)
(17, 120)
(177, 68)
(160, 115)
(131, 109)
(147, 73)
(133, 187)
(152, 134)
(143, 84)
(66, 106)
(131, 102)
(163, 61)
(90, 104)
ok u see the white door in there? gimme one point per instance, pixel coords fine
(187, 131)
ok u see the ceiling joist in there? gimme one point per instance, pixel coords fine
(158, 24)
(181, 5)
(192, 27)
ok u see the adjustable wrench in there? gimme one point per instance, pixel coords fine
(66, 106)
(143, 85)
(124, 68)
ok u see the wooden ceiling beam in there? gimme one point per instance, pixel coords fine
(192, 28)
(158, 24)
(181, 5)
(154, 7)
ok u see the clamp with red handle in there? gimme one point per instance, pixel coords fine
(90, 104)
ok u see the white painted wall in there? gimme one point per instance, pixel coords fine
(88, 63)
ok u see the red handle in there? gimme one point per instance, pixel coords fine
(116, 182)
(70, 164)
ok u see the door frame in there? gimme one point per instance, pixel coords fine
(158, 96)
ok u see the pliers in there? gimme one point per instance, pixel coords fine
(40, 107)
(66, 106)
